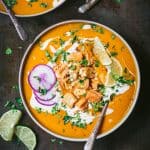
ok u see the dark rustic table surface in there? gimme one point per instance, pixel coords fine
(132, 20)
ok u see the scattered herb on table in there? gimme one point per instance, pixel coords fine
(15, 87)
(8, 51)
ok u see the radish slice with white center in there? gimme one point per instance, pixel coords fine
(42, 77)
(47, 97)
(46, 103)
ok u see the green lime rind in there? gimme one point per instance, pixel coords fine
(8, 122)
(27, 136)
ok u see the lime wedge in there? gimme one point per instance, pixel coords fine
(114, 68)
(7, 123)
(27, 136)
(101, 53)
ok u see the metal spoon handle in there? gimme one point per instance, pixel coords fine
(90, 142)
(21, 32)
(87, 6)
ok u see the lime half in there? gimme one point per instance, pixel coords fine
(101, 53)
(116, 69)
(8, 122)
(27, 136)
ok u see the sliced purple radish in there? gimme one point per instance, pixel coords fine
(42, 77)
(46, 103)
(47, 97)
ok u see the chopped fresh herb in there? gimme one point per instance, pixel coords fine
(47, 54)
(84, 62)
(53, 140)
(38, 78)
(67, 119)
(19, 103)
(64, 56)
(93, 26)
(113, 54)
(56, 55)
(101, 88)
(97, 106)
(113, 36)
(81, 26)
(8, 51)
(61, 41)
(72, 67)
(97, 63)
(106, 45)
(32, 1)
(112, 96)
(44, 5)
(81, 81)
(100, 30)
(75, 121)
(42, 91)
(122, 79)
(39, 110)
(10, 105)
(74, 39)
(15, 87)
(10, 3)
(55, 109)
(60, 142)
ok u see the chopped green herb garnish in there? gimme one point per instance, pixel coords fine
(44, 5)
(39, 110)
(101, 88)
(84, 62)
(56, 55)
(97, 63)
(64, 56)
(113, 36)
(8, 51)
(61, 41)
(55, 109)
(97, 106)
(122, 79)
(112, 96)
(72, 67)
(81, 81)
(100, 30)
(42, 91)
(47, 54)
(38, 78)
(74, 39)
(106, 45)
(93, 26)
(19, 103)
(10, 3)
(67, 119)
(113, 54)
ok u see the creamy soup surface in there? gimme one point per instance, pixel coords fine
(31, 7)
(72, 72)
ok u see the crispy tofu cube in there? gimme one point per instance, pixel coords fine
(69, 99)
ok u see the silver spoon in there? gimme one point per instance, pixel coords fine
(21, 32)
(90, 142)
(87, 5)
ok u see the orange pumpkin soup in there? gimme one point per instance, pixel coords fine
(71, 72)
(31, 7)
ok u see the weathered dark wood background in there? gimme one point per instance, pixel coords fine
(132, 20)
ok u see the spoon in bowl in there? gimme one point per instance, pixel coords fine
(90, 142)
(21, 32)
